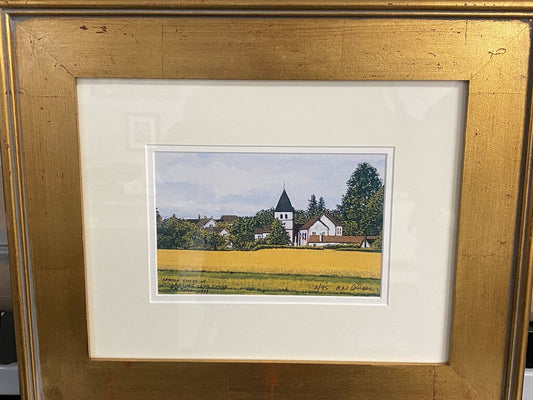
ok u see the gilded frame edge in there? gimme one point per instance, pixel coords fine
(17, 233)
(425, 7)
(24, 323)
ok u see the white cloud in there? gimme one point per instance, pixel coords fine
(243, 183)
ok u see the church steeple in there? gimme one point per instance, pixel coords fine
(284, 212)
(284, 203)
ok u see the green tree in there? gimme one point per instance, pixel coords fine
(171, 232)
(242, 233)
(264, 217)
(278, 235)
(215, 241)
(362, 185)
(196, 239)
(372, 221)
(312, 207)
(321, 208)
(377, 243)
(300, 217)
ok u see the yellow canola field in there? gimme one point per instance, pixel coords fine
(274, 261)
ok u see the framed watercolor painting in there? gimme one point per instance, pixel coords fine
(268, 201)
(220, 230)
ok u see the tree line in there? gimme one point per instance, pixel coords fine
(177, 233)
(360, 213)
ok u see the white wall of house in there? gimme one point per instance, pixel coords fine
(303, 237)
(286, 219)
(322, 244)
(329, 223)
(333, 230)
(318, 228)
(209, 224)
(258, 236)
(324, 226)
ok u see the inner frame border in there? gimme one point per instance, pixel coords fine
(388, 179)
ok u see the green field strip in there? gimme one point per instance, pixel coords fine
(206, 282)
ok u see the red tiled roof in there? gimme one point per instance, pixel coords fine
(203, 221)
(228, 218)
(340, 239)
(310, 223)
(262, 229)
(333, 219)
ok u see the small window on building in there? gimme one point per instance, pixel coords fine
(286, 216)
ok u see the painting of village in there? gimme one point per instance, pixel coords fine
(250, 223)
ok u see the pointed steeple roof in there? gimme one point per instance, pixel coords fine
(284, 204)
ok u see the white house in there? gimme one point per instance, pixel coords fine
(325, 225)
(218, 229)
(208, 222)
(228, 219)
(202, 222)
(262, 232)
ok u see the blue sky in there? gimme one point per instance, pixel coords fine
(214, 184)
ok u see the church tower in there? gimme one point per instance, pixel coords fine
(284, 212)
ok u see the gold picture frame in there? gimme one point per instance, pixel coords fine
(47, 45)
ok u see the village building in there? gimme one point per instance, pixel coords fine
(284, 212)
(262, 232)
(207, 223)
(218, 229)
(324, 226)
(211, 222)
(325, 230)
(326, 240)
(228, 219)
